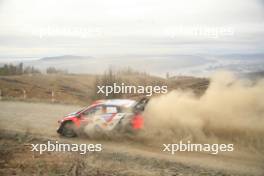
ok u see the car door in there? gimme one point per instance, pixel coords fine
(105, 118)
(88, 116)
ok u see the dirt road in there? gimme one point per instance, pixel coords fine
(128, 156)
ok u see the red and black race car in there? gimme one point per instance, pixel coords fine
(105, 116)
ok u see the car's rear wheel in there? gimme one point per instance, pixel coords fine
(68, 130)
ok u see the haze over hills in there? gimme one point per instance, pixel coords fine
(65, 57)
(192, 65)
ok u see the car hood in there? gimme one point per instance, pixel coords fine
(72, 114)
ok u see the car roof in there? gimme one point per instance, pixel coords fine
(117, 102)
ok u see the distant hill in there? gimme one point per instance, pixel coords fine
(65, 57)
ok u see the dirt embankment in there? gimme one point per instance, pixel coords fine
(18, 159)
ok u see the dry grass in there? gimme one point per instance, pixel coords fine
(80, 89)
(18, 159)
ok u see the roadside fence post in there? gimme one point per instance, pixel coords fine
(52, 96)
(24, 93)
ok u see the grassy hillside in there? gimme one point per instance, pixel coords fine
(81, 89)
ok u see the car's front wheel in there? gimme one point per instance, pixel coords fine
(68, 130)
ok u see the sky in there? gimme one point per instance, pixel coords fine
(35, 28)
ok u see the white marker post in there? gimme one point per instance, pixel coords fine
(24, 94)
(52, 96)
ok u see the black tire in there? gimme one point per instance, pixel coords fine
(68, 130)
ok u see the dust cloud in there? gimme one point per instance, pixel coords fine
(230, 111)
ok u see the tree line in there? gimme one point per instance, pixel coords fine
(20, 69)
(10, 69)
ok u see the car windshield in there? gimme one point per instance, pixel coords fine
(92, 110)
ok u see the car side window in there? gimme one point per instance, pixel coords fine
(99, 110)
(111, 110)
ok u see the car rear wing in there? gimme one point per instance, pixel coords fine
(141, 104)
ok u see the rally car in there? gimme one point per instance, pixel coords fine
(104, 116)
